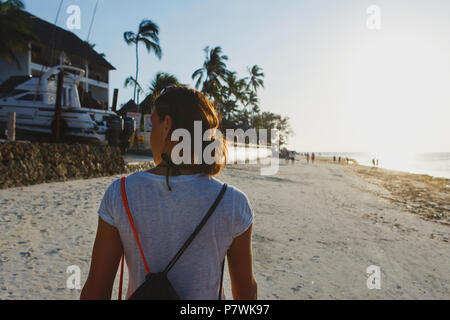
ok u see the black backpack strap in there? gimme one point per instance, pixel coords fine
(221, 279)
(197, 230)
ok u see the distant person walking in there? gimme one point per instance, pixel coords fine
(286, 155)
(334, 158)
(313, 156)
(373, 162)
(339, 159)
(307, 157)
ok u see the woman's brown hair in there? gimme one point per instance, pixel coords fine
(185, 106)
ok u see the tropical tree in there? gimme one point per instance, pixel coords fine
(256, 77)
(233, 92)
(213, 70)
(227, 101)
(231, 85)
(252, 101)
(254, 82)
(130, 81)
(148, 35)
(242, 117)
(15, 30)
(270, 121)
(236, 99)
(161, 81)
(228, 109)
(242, 91)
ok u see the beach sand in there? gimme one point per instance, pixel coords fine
(317, 228)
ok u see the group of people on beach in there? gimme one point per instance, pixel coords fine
(375, 162)
(313, 157)
(290, 156)
(339, 159)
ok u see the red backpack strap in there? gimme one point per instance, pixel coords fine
(130, 219)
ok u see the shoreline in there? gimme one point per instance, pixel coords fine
(420, 194)
(329, 159)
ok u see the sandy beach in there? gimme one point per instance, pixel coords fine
(317, 228)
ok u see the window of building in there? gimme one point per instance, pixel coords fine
(31, 97)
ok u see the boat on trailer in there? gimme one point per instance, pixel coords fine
(33, 99)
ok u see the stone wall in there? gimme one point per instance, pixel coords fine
(27, 163)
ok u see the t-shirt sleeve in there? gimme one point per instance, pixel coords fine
(243, 214)
(106, 209)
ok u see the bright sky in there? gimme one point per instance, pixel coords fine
(344, 86)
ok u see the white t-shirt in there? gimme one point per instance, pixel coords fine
(165, 219)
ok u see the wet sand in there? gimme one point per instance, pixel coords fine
(317, 228)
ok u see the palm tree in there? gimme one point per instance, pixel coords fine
(15, 30)
(161, 80)
(231, 84)
(242, 117)
(213, 70)
(232, 92)
(254, 83)
(242, 91)
(130, 81)
(147, 34)
(256, 76)
(227, 93)
(252, 100)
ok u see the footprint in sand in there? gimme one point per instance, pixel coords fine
(25, 254)
(297, 288)
(54, 251)
(3, 259)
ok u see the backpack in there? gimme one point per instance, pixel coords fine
(156, 285)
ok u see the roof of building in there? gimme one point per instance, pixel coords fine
(130, 106)
(63, 40)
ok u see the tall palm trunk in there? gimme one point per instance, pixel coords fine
(137, 68)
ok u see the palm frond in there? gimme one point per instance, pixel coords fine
(151, 46)
(162, 80)
(129, 37)
(130, 81)
(148, 26)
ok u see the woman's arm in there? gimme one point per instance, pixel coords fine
(105, 261)
(243, 283)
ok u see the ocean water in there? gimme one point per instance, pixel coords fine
(436, 164)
